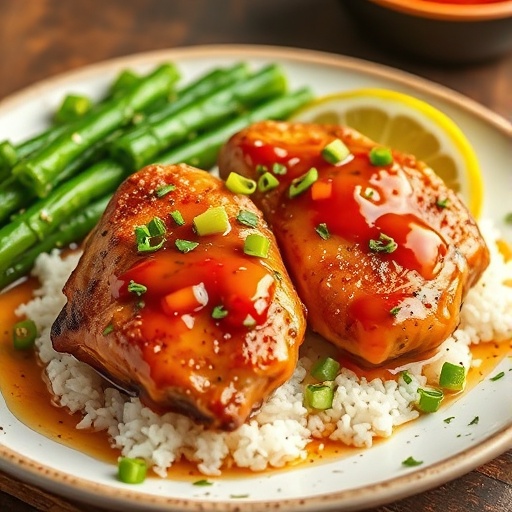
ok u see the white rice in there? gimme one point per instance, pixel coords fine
(281, 430)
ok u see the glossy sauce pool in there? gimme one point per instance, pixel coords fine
(22, 382)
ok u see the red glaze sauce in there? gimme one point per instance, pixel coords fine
(366, 201)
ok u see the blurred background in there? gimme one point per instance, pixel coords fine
(40, 38)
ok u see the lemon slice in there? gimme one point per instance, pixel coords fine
(407, 124)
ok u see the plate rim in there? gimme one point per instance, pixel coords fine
(64, 484)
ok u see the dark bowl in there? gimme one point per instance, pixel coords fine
(442, 32)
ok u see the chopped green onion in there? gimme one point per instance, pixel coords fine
(164, 190)
(156, 227)
(24, 334)
(137, 288)
(8, 155)
(239, 184)
(260, 169)
(279, 169)
(141, 234)
(381, 156)
(474, 421)
(498, 376)
(452, 377)
(256, 245)
(325, 369)
(247, 218)
(249, 321)
(302, 183)
(131, 471)
(108, 329)
(202, 483)
(406, 377)
(368, 192)
(323, 231)
(430, 399)
(212, 221)
(219, 312)
(443, 203)
(73, 107)
(384, 244)
(394, 311)
(267, 182)
(177, 217)
(335, 152)
(411, 462)
(185, 246)
(319, 396)
(449, 419)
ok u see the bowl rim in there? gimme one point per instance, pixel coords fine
(452, 12)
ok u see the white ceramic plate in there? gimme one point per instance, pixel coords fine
(363, 479)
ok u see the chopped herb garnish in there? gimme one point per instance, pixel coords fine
(452, 376)
(368, 192)
(384, 244)
(279, 169)
(406, 377)
(131, 471)
(219, 312)
(239, 184)
(185, 246)
(212, 221)
(177, 217)
(498, 376)
(429, 399)
(238, 496)
(411, 462)
(108, 329)
(260, 168)
(323, 231)
(249, 321)
(319, 396)
(156, 227)
(380, 156)
(150, 237)
(202, 483)
(164, 190)
(443, 202)
(449, 419)
(325, 369)
(302, 183)
(335, 152)
(394, 311)
(474, 421)
(137, 288)
(140, 304)
(267, 182)
(256, 245)
(247, 218)
(24, 334)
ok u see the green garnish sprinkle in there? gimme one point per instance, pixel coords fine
(406, 377)
(498, 376)
(302, 183)
(449, 419)
(108, 329)
(323, 231)
(380, 156)
(279, 169)
(185, 246)
(137, 288)
(164, 190)
(219, 312)
(394, 311)
(474, 421)
(247, 218)
(177, 217)
(202, 483)
(443, 203)
(24, 334)
(384, 244)
(411, 462)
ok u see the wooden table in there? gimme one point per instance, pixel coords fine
(40, 38)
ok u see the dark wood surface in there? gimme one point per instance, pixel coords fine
(41, 38)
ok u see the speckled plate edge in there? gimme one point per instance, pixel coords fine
(420, 480)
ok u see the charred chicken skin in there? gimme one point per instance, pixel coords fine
(176, 311)
(382, 252)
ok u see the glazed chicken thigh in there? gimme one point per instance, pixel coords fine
(381, 251)
(165, 301)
